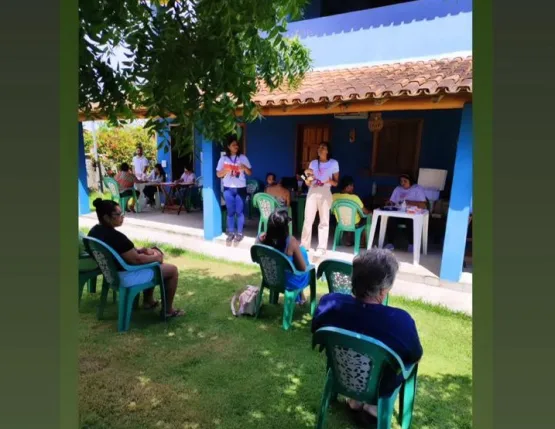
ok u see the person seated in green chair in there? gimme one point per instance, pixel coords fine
(110, 216)
(126, 181)
(374, 272)
(347, 192)
(277, 236)
(277, 190)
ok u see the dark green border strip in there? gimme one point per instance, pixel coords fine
(69, 210)
(30, 268)
(483, 216)
(523, 228)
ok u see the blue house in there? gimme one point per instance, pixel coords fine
(403, 65)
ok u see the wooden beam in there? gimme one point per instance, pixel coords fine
(290, 107)
(455, 101)
(420, 103)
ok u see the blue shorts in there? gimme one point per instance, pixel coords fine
(134, 278)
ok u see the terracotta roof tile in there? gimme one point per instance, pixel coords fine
(411, 79)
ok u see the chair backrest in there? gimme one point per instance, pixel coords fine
(273, 265)
(112, 186)
(265, 203)
(252, 186)
(82, 250)
(338, 275)
(358, 362)
(106, 258)
(345, 212)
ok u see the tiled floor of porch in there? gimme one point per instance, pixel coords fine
(191, 224)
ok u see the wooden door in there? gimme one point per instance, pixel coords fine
(308, 140)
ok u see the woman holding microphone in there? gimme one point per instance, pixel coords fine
(323, 173)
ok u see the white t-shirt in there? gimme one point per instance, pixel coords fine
(139, 165)
(414, 193)
(324, 171)
(188, 177)
(236, 178)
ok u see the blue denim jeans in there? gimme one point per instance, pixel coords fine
(235, 205)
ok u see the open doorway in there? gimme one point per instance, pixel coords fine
(179, 162)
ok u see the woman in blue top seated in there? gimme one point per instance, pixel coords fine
(277, 236)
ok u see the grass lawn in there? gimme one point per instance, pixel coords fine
(211, 370)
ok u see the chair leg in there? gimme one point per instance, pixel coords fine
(289, 308)
(325, 403)
(92, 285)
(130, 304)
(336, 237)
(259, 301)
(122, 308)
(82, 283)
(358, 233)
(313, 299)
(103, 299)
(385, 412)
(407, 396)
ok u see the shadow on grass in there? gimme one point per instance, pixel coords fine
(202, 295)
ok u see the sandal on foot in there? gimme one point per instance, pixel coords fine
(175, 313)
(151, 306)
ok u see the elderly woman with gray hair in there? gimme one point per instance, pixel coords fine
(374, 272)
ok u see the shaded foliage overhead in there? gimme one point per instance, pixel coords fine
(197, 61)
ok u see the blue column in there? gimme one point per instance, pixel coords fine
(212, 211)
(164, 150)
(84, 206)
(459, 206)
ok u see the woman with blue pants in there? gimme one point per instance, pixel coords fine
(233, 167)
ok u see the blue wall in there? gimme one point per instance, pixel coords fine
(423, 28)
(271, 144)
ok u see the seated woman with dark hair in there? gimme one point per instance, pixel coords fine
(277, 190)
(126, 181)
(110, 217)
(277, 236)
(158, 175)
(374, 272)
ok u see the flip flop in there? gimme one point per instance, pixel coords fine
(151, 306)
(175, 313)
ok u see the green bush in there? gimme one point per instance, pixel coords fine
(118, 145)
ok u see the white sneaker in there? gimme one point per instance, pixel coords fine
(319, 253)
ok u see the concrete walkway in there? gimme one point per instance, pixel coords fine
(449, 298)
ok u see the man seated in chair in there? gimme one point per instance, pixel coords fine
(374, 272)
(110, 216)
(347, 192)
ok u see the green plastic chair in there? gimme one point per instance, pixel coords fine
(107, 260)
(88, 270)
(345, 211)
(355, 366)
(266, 205)
(338, 276)
(113, 187)
(273, 265)
(253, 186)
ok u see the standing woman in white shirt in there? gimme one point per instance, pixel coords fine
(319, 199)
(232, 168)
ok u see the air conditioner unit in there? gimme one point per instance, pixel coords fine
(344, 116)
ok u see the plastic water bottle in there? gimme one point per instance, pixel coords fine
(374, 189)
(404, 206)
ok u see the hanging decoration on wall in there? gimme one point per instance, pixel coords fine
(352, 135)
(375, 122)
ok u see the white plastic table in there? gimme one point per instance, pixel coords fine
(420, 230)
(142, 199)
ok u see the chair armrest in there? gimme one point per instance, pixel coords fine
(410, 370)
(141, 267)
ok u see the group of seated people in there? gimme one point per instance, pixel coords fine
(127, 180)
(401, 229)
(374, 272)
